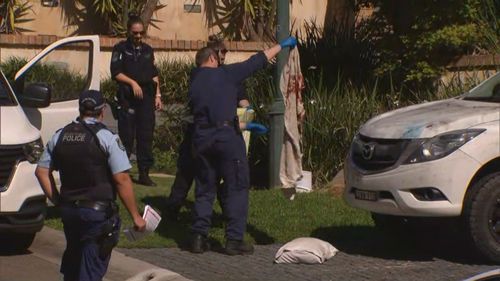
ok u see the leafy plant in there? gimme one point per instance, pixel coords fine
(12, 14)
(414, 40)
(336, 49)
(334, 112)
(106, 17)
(64, 84)
(174, 79)
(242, 19)
(489, 15)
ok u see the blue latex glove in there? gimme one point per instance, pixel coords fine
(256, 128)
(289, 42)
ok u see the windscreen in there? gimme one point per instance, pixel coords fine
(488, 91)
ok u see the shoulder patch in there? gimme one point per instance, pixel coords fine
(120, 144)
(116, 56)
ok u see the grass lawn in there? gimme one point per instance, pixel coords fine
(272, 218)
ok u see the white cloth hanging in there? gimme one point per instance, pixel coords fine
(291, 85)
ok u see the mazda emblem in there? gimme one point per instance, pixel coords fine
(368, 150)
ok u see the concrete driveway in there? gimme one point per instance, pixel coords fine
(42, 261)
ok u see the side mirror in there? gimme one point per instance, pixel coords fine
(35, 95)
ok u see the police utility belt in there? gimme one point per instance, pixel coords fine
(217, 125)
(109, 207)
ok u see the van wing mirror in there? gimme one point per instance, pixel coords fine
(36, 95)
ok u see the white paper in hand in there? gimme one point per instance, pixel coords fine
(152, 219)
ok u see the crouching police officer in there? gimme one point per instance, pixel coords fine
(93, 166)
(132, 66)
(219, 145)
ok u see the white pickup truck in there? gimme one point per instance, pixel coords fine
(437, 159)
(43, 98)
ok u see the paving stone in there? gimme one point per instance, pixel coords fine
(344, 266)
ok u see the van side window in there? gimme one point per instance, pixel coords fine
(65, 69)
(5, 95)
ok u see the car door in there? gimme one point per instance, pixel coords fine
(68, 66)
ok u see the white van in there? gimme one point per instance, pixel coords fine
(42, 99)
(437, 159)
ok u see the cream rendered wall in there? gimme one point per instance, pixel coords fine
(305, 11)
(176, 24)
(47, 20)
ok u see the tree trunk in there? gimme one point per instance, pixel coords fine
(147, 12)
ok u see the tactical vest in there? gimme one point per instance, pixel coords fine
(83, 164)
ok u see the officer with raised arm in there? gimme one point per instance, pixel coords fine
(219, 145)
(93, 167)
(184, 176)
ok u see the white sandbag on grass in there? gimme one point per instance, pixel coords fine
(305, 250)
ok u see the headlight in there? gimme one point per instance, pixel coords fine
(33, 151)
(442, 145)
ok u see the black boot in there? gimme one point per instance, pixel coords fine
(144, 178)
(199, 244)
(238, 247)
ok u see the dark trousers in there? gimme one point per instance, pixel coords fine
(184, 176)
(226, 156)
(185, 173)
(82, 228)
(136, 122)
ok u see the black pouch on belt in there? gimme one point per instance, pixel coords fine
(108, 239)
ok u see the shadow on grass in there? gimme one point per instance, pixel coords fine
(177, 230)
(180, 230)
(53, 213)
(415, 245)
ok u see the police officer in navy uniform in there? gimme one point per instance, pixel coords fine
(184, 176)
(93, 167)
(219, 145)
(132, 66)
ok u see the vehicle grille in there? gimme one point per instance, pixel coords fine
(377, 154)
(9, 155)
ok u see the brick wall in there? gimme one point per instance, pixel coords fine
(488, 61)
(239, 51)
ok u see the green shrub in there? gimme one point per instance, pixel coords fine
(11, 66)
(64, 84)
(174, 80)
(334, 112)
(413, 41)
(165, 161)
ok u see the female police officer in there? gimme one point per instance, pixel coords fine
(219, 146)
(132, 66)
(93, 167)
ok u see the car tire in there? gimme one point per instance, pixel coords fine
(481, 216)
(16, 243)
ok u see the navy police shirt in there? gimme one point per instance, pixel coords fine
(214, 92)
(137, 62)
